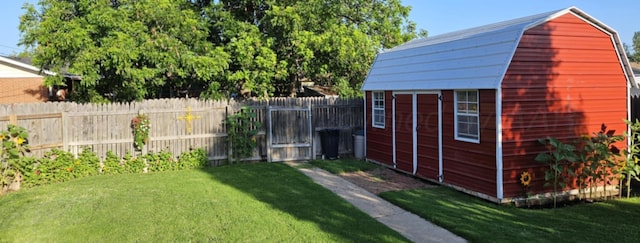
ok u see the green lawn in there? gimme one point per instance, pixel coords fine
(266, 202)
(480, 221)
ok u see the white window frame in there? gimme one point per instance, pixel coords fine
(461, 99)
(377, 109)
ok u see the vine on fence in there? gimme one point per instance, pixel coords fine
(242, 129)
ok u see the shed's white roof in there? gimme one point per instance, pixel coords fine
(475, 58)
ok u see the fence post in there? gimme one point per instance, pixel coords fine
(145, 148)
(312, 131)
(268, 134)
(13, 119)
(226, 128)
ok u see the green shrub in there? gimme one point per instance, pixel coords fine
(26, 166)
(87, 164)
(112, 164)
(133, 164)
(60, 166)
(161, 161)
(194, 158)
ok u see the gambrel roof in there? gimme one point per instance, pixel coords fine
(475, 58)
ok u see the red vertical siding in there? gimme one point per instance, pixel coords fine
(428, 147)
(564, 80)
(404, 132)
(465, 164)
(378, 143)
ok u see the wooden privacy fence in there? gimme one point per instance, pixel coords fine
(289, 131)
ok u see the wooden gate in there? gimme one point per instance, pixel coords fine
(290, 134)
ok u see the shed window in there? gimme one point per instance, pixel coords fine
(467, 116)
(378, 109)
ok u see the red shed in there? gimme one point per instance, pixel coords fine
(465, 109)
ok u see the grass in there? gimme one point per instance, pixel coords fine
(343, 165)
(266, 202)
(480, 221)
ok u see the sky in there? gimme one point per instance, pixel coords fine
(435, 16)
(439, 17)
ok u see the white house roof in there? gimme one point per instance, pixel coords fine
(475, 58)
(24, 67)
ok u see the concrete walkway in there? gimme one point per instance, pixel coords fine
(408, 224)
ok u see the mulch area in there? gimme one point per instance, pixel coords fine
(384, 179)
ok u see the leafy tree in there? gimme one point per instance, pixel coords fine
(329, 42)
(131, 49)
(134, 49)
(627, 51)
(253, 64)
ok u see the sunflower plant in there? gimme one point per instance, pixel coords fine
(558, 157)
(15, 144)
(601, 158)
(525, 181)
(631, 166)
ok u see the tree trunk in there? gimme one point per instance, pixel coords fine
(293, 84)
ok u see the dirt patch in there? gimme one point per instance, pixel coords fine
(383, 179)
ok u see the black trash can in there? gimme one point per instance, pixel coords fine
(330, 139)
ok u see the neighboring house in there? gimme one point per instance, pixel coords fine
(635, 93)
(636, 71)
(20, 82)
(466, 109)
(319, 91)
